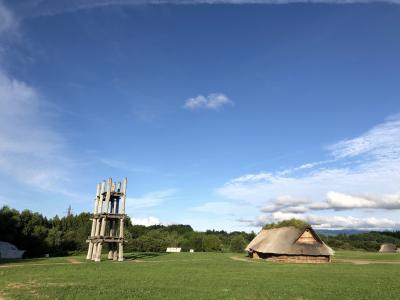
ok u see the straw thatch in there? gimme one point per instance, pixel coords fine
(290, 244)
(388, 248)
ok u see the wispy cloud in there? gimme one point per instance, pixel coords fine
(31, 150)
(51, 7)
(362, 174)
(149, 200)
(217, 208)
(334, 201)
(380, 142)
(122, 165)
(8, 21)
(287, 204)
(327, 222)
(212, 102)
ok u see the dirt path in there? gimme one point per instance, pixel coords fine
(237, 258)
(74, 261)
(70, 261)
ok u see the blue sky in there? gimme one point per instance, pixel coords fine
(221, 115)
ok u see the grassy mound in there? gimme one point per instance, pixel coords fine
(292, 222)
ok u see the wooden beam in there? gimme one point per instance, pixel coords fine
(92, 232)
(121, 224)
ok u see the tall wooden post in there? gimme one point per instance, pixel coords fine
(121, 224)
(104, 220)
(98, 221)
(94, 221)
(112, 221)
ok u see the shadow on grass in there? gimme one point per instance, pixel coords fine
(133, 256)
(21, 260)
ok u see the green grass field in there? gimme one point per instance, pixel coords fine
(352, 275)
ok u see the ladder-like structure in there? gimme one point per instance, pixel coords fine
(108, 221)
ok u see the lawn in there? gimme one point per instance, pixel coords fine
(202, 276)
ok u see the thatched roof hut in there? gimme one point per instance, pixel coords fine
(290, 244)
(388, 248)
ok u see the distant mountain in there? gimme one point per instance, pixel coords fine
(333, 232)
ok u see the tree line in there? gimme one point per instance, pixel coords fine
(56, 236)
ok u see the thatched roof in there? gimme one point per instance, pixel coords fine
(285, 240)
(388, 248)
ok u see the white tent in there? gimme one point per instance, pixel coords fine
(9, 251)
(172, 249)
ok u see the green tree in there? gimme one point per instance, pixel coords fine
(238, 244)
(54, 238)
(211, 243)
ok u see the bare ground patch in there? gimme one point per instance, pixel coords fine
(70, 261)
(31, 288)
(74, 261)
(238, 258)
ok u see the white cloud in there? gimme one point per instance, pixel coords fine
(123, 165)
(217, 208)
(286, 204)
(30, 150)
(212, 101)
(333, 201)
(374, 172)
(363, 174)
(7, 19)
(149, 200)
(149, 221)
(339, 201)
(381, 142)
(253, 178)
(328, 222)
(51, 7)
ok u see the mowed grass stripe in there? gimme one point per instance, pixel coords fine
(200, 276)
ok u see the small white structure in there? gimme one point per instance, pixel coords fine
(9, 251)
(172, 249)
(191, 250)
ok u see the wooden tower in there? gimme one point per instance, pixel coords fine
(108, 221)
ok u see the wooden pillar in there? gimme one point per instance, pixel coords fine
(94, 221)
(121, 224)
(116, 245)
(115, 254)
(110, 251)
(105, 210)
(98, 221)
(94, 252)
(103, 220)
(99, 208)
(107, 201)
(111, 234)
